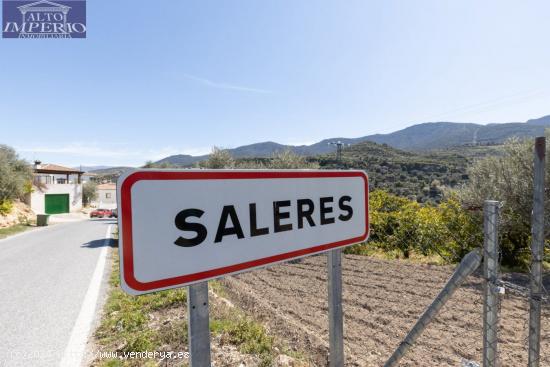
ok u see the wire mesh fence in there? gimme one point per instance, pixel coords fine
(515, 303)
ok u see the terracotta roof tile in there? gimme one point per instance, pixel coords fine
(56, 168)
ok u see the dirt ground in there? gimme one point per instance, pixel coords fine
(382, 300)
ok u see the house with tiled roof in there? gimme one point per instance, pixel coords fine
(56, 189)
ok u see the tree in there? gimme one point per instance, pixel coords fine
(287, 159)
(218, 159)
(507, 178)
(15, 175)
(89, 192)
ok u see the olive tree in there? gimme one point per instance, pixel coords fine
(508, 178)
(218, 159)
(151, 164)
(15, 175)
(89, 192)
(287, 159)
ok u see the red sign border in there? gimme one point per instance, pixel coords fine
(126, 221)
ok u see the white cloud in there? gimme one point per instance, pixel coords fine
(219, 85)
(76, 153)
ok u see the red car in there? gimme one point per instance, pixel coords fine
(101, 213)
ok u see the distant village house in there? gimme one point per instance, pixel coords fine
(106, 196)
(56, 189)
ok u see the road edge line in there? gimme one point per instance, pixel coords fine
(74, 352)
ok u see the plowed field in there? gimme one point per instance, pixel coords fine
(382, 300)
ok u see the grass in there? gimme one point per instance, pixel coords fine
(157, 322)
(366, 249)
(10, 231)
(125, 326)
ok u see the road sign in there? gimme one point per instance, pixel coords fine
(182, 227)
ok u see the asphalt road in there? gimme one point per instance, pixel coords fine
(45, 275)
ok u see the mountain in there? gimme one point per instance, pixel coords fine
(182, 160)
(419, 137)
(437, 135)
(545, 121)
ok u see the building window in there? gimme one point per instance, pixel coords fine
(107, 195)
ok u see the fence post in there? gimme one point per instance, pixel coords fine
(537, 251)
(335, 314)
(199, 329)
(467, 266)
(490, 273)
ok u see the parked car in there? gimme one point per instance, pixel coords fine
(114, 213)
(101, 213)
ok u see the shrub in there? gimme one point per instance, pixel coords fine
(287, 159)
(15, 174)
(218, 159)
(507, 178)
(6, 207)
(400, 224)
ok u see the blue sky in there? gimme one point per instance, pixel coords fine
(166, 77)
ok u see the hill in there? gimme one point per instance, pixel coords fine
(110, 170)
(419, 176)
(110, 174)
(181, 160)
(420, 137)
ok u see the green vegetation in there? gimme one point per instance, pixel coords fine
(421, 177)
(6, 206)
(285, 159)
(126, 320)
(15, 174)
(89, 192)
(402, 226)
(10, 231)
(108, 174)
(151, 164)
(157, 322)
(508, 178)
(429, 203)
(449, 222)
(218, 159)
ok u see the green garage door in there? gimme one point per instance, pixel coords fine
(57, 203)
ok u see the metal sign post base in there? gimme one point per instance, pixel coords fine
(335, 314)
(199, 328)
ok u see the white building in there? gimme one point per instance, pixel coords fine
(56, 189)
(106, 196)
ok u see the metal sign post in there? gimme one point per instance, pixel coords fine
(199, 328)
(335, 314)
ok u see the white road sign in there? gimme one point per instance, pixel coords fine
(181, 227)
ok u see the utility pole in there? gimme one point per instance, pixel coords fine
(339, 146)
